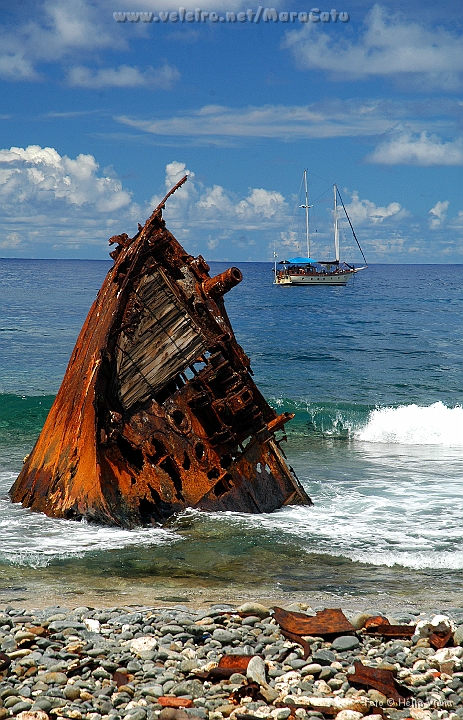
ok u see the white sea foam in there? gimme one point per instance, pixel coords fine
(33, 539)
(413, 560)
(435, 424)
(379, 504)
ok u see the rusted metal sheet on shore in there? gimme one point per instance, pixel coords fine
(174, 702)
(381, 680)
(381, 626)
(5, 661)
(441, 640)
(307, 649)
(228, 666)
(157, 410)
(327, 622)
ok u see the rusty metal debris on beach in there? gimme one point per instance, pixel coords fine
(326, 623)
(381, 626)
(158, 410)
(5, 661)
(381, 680)
(227, 666)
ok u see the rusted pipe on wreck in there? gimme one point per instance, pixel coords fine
(217, 286)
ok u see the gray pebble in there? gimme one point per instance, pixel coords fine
(223, 636)
(298, 663)
(312, 669)
(323, 657)
(250, 621)
(197, 712)
(345, 642)
(458, 635)
(188, 687)
(327, 672)
(21, 707)
(137, 713)
(42, 704)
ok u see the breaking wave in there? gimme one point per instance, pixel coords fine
(435, 424)
(412, 424)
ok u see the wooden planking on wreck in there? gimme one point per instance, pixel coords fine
(157, 410)
(165, 340)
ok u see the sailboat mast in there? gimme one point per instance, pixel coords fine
(306, 208)
(274, 262)
(306, 214)
(336, 228)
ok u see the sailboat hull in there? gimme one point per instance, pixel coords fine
(320, 279)
(314, 279)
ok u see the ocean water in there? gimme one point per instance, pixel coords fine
(374, 374)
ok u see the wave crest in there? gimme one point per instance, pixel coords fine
(435, 424)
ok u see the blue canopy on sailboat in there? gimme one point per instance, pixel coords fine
(302, 261)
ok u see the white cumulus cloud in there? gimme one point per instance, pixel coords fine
(390, 45)
(50, 31)
(42, 174)
(216, 207)
(46, 197)
(438, 214)
(365, 211)
(404, 147)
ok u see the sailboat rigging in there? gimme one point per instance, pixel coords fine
(306, 270)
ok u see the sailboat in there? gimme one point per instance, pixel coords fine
(306, 270)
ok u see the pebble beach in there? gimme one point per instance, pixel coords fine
(144, 663)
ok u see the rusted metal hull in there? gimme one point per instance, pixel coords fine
(157, 410)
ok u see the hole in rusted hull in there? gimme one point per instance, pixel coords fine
(133, 455)
(169, 466)
(159, 451)
(224, 484)
(199, 451)
(226, 461)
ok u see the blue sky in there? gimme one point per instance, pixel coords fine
(100, 117)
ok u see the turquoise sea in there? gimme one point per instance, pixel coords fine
(373, 372)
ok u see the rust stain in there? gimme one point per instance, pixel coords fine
(158, 410)
(393, 631)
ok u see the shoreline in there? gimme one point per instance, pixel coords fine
(199, 598)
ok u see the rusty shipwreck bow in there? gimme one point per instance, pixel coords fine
(157, 410)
